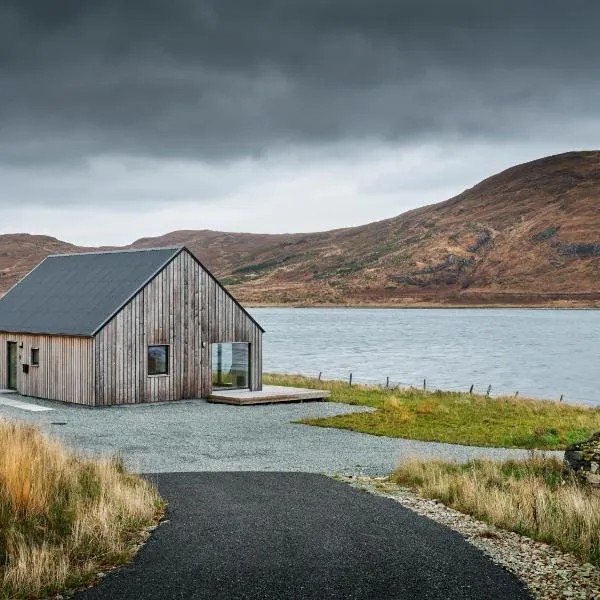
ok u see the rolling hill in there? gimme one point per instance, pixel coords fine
(527, 236)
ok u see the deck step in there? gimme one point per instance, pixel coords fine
(270, 394)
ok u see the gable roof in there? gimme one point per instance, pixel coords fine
(76, 294)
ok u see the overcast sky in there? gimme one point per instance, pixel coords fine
(122, 119)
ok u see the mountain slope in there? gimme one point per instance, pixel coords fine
(531, 230)
(20, 252)
(528, 235)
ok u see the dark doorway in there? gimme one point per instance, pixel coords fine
(11, 351)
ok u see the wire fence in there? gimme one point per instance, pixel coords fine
(431, 385)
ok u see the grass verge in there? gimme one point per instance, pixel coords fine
(456, 418)
(64, 518)
(534, 497)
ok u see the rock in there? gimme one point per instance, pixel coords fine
(584, 459)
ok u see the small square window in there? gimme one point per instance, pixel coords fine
(35, 357)
(158, 360)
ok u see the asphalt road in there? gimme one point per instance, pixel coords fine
(298, 536)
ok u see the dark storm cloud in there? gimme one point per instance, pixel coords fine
(225, 78)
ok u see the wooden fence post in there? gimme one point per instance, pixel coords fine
(350, 379)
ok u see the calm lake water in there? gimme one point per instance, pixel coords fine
(540, 353)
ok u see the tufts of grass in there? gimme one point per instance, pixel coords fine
(64, 518)
(535, 497)
(453, 417)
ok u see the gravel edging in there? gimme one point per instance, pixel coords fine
(549, 574)
(195, 435)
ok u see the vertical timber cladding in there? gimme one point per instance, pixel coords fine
(186, 309)
(65, 370)
(227, 322)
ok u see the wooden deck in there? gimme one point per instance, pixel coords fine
(270, 394)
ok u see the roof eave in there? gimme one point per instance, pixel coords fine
(53, 333)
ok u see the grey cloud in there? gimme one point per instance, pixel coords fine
(220, 79)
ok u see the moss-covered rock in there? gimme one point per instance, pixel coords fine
(584, 459)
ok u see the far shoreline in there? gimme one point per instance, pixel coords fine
(416, 306)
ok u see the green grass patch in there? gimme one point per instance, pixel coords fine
(452, 417)
(546, 234)
(263, 266)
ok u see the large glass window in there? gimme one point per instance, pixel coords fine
(230, 365)
(158, 360)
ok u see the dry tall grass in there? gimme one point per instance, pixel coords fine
(534, 497)
(64, 517)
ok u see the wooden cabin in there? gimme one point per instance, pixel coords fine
(126, 327)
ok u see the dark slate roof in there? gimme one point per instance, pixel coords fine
(76, 294)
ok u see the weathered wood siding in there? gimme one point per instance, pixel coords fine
(184, 307)
(65, 372)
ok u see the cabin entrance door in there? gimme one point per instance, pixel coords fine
(11, 355)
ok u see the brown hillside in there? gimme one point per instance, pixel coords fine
(529, 235)
(20, 252)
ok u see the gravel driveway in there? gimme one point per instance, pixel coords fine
(194, 435)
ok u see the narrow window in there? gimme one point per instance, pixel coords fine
(35, 357)
(158, 360)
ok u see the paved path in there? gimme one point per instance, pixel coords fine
(194, 435)
(10, 400)
(283, 536)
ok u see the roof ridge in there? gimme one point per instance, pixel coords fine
(122, 251)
